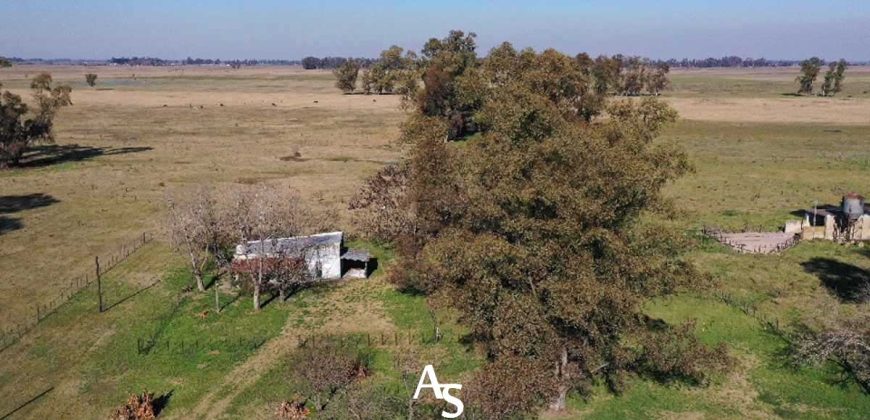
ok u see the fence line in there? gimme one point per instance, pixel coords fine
(770, 325)
(10, 335)
(148, 346)
(382, 339)
(719, 235)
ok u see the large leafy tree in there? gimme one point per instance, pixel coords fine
(22, 125)
(533, 230)
(448, 64)
(839, 76)
(346, 75)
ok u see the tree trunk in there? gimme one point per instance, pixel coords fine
(217, 302)
(197, 272)
(258, 281)
(558, 403)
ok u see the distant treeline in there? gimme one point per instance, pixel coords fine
(310, 63)
(153, 61)
(329, 62)
(735, 61)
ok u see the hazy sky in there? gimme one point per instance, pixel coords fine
(293, 29)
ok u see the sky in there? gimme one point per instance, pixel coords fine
(274, 29)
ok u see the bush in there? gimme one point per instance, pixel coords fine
(495, 392)
(292, 410)
(847, 345)
(138, 407)
(327, 368)
(676, 354)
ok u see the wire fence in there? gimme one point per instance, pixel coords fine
(769, 324)
(146, 346)
(382, 339)
(722, 236)
(40, 311)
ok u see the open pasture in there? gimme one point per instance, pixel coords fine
(759, 154)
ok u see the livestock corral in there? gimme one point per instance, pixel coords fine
(759, 156)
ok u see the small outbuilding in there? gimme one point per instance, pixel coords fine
(325, 254)
(848, 222)
(356, 264)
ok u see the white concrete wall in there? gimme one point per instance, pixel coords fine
(863, 228)
(329, 259)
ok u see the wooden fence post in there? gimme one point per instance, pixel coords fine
(99, 284)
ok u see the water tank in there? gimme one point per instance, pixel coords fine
(853, 206)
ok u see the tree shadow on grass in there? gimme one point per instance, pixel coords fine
(16, 203)
(54, 154)
(161, 402)
(846, 281)
(8, 224)
(131, 295)
(25, 404)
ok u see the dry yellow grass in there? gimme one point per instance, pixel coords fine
(843, 111)
(166, 129)
(144, 149)
(154, 129)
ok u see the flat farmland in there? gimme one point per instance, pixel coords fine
(127, 141)
(759, 153)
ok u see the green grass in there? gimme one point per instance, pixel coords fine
(758, 174)
(190, 354)
(408, 314)
(214, 344)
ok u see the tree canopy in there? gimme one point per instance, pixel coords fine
(533, 230)
(22, 125)
(809, 72)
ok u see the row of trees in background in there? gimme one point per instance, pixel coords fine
(728, 61)
(329, 63)
(402, 72)
(532, 229)
(206, 226)
(22, 125)
(152, 61)
(833, 79)
(395, 71)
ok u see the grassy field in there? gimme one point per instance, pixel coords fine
(759, 155)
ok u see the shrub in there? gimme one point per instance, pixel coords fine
(847, 345)
(325, 368)
(676, 354)
(138, 407)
